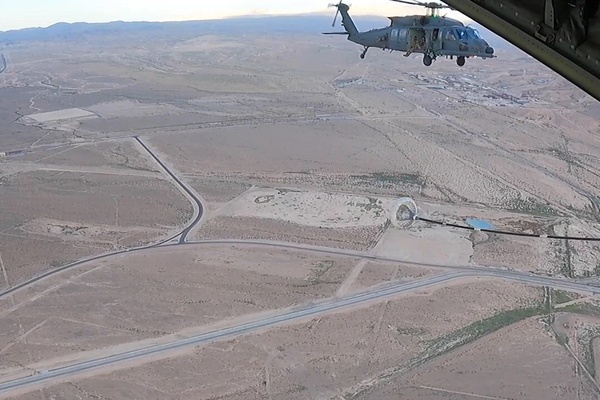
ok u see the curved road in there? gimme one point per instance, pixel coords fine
(508, 274)
(198, 207)
(192, 195)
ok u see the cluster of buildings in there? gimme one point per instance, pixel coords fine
(468, 88)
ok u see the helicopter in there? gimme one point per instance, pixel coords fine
(430, 35)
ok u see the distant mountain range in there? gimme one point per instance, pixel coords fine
(187, 29)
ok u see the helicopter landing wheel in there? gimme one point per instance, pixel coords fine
(427, 60)
(364, 53)
(460, 61)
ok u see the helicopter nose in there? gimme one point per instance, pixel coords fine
(489, 50)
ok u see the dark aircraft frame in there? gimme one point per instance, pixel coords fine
(430, 35)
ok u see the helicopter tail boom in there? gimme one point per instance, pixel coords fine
(347, 22)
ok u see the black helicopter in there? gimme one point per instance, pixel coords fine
(430, 35)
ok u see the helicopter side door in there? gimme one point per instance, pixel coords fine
(415, 40)
(436, 40)
(398, 39)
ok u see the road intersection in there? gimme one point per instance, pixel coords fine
(142, 352)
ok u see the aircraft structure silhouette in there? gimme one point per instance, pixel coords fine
(430, 34)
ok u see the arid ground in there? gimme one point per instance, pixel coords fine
(230, 202)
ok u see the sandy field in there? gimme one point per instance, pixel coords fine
(122, 154)
(381, 183)
(217, 190)
(451, 158)
(132, 108)
(539, 255)
(313, 209)
(337, 122)
(355, 238)
(375, 273)
(573, 259)
(51, 218)
(427, 245)
(328, 146)
(522, 254)
(160, 292)
(579, 330)
(522, 361)
(316, 359)
(512, 221)
(504, 140)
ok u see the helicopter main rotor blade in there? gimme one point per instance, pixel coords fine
(441, 6)
(431, 5)
(412, 3)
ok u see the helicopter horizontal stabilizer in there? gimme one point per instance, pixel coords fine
(335, 33)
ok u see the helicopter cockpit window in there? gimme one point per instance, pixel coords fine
(462, 34)
(450, 35)
(473, 33)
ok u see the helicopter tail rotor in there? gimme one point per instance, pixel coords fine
(347, 23)
(337, 11)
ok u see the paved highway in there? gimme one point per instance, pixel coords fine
(3, 63)
(295, 246)
(294, 314)
(189, 192)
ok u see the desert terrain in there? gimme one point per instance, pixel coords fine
(209, 217)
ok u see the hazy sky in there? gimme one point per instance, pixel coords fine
(17, 14)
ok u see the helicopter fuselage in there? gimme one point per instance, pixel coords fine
(438, 40)
(432, 36)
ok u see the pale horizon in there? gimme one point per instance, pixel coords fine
(44, 13)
